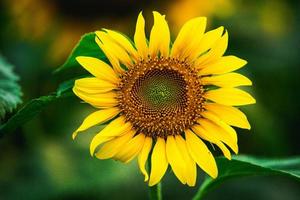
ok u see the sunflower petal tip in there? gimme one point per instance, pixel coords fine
(191, 185)
(228, 156)
(214, 176)
(146, 178)
(249, 81)
(236, 148)
(105, 30)
(140, 14)
(79, 58)
(74, 135)
(156, 13)
(213, 173)
(92, 150)
(225, 35)
(247, 126)
(151, 183)
(252, 100)
(236, 151)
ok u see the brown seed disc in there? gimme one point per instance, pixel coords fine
(161, 96)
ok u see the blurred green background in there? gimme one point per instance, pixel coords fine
(41, 161)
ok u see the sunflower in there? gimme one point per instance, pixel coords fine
(164, 100)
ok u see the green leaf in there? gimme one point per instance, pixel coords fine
(31, 109)
(241, 166)
(65, 87)
(10, 91)
(85, 47)
(35, 106)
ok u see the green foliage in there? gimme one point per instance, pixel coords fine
(241, 166)
(65, 87)
(31, 109)
(35, 106)
(10, 91)
(85, 47)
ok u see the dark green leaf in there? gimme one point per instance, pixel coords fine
(241, 166)
(10, 91)
(65, 87)
(31, 109)
(85, 47)
(35, 106)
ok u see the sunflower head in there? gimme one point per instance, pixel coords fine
(163, 98)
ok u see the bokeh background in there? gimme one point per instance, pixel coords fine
(41, 161)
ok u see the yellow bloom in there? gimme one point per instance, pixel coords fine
(163, 101)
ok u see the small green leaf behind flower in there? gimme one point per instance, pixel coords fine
(85, 47)
(241, 166)
(10, 91)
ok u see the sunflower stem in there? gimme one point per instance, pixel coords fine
(155, 192)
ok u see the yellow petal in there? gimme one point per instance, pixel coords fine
(140, 37)
(143, 156)
(229, 96)
(115, 51)
(110, 148)
(98, 100)
(159, 36)
(223, 65)
(188, 38)
(117, 127)
(216, 52)
(206, 43)
(123, 41)
(175, 159)
(92, 91)
(131, 149)
(226, 80)
(216, 131)
(231, 115)
(191, 168)
(212, 117)
(159, 163)
(94, 85)
(92, 82)
(98, 68)
(114, 61)
(201, 154)
(95, 118)
(202, 133)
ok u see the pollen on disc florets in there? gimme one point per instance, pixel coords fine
(161, 96)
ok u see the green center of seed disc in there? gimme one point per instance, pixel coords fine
(162, 89)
